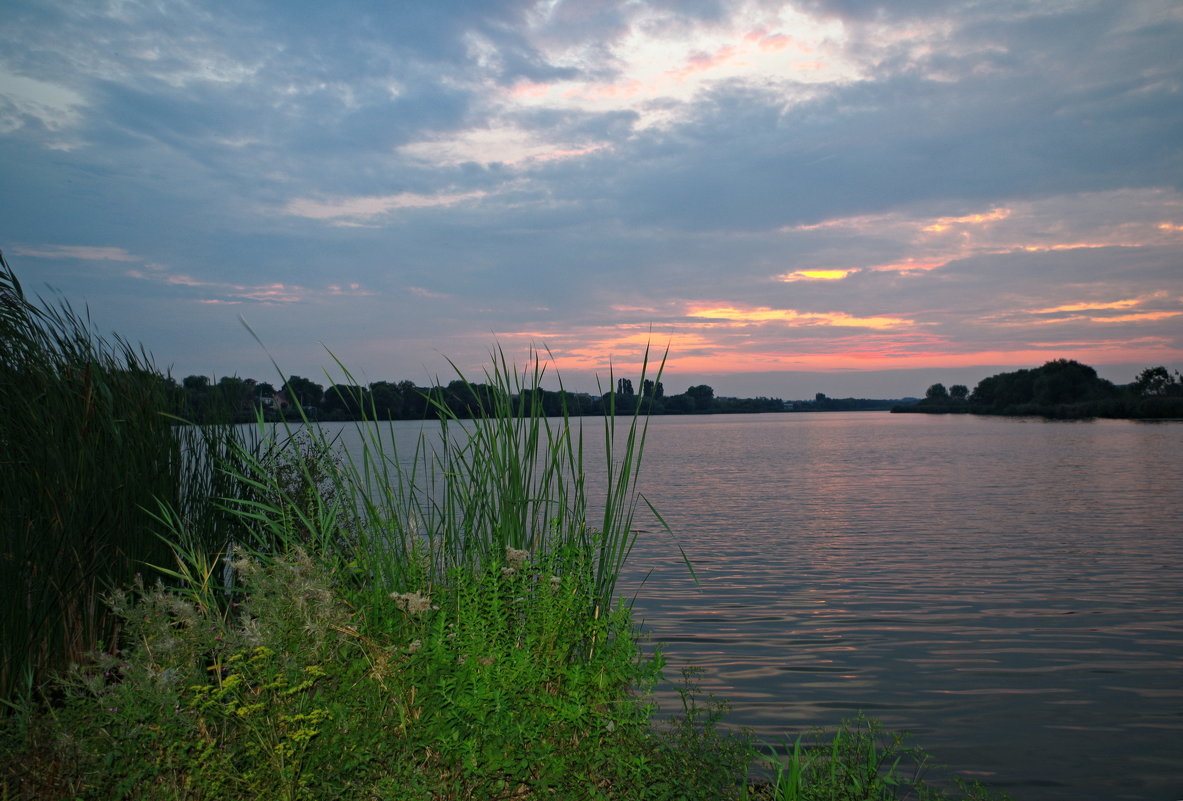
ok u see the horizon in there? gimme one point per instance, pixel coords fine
(835, 196)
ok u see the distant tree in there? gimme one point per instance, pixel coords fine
(937, 392)
(959, 392)
(624, 386)
(303, 391)
(414, 400)
(387, 400)
(1154, 381)
(1061, 382)
(345, 400)
(703, 397)
(1067, 381)
(651, 390)
(235, 393)
(819, 397)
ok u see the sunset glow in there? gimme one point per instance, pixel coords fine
(796, 318)
(815, 275)
(775, 190)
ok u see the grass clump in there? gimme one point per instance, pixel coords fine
(494, 684)
(859, 761)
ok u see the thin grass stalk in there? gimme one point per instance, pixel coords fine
(617, 534)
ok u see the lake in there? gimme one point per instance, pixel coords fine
(1009, 590)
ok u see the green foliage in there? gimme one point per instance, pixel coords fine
(496, 682)
(1158, 382)
(1060, 389)
(937, 392)
(857, 762)
(88, 450)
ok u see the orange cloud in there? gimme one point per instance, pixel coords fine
(815, 275)
(944, 223)
(910, 265)
(1134, 318)
(1073, 246)
(796, 318)
(1075, 307)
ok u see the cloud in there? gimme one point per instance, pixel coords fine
(793, 317)
(815, 275)
(80, 252)
(24, 101)
(222, 293)
(363, 207)
(821, 185)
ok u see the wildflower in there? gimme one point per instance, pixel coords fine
(241, 562)
(515, 557)
(507, 571)
(414, 646)
(555, 581)
(412, 602)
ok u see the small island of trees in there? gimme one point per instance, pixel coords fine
(1062, 389)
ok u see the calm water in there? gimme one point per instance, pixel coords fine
(1008, 590)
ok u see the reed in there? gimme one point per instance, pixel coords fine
(87, 449)
(496, 475)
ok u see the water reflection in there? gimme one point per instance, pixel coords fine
(996, 584)
(1008, 590)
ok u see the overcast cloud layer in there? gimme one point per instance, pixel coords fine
(774, 189)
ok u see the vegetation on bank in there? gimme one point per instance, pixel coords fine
(822, 403)
(197, 612)
(1061, 389)
(198, 398)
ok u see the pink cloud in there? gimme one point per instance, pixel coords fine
(703, 62)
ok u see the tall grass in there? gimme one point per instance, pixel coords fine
(87, 451)
(495, 477)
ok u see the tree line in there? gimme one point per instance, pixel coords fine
(200, 399)
(1060, 389)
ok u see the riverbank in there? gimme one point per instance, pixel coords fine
(204, 613)
(1124, 408)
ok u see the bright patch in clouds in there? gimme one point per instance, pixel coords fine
(661, 61)
(51, 104)
(945, 223)
(369, 206)
(1075, 307)
(792, 317)
(506, 145)
(815, 275)
(80, 252)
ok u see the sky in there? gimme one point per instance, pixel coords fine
(840, 196)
